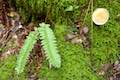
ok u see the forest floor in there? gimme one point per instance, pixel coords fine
(91, 54)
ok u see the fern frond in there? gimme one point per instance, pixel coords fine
(49, 45)
(25, 51)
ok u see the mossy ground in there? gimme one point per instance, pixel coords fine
(77, 62)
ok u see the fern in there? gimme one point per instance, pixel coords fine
(25, 51)
(49, 45)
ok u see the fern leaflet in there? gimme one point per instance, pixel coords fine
(49, 45)
(25, 51)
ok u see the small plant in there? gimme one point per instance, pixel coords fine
(46, 35)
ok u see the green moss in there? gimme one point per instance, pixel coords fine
(105, 38)
(7, 70)
(47, 10)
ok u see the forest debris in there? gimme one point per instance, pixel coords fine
(4, 9)
(116, 67)
(104, 69)
(76, 40)
(14, 15)
(8, 53)
(32, 77)
(84, 30)
(110, 71)
(35, 58)
(15, 29)
(70, 36)
(30, 26)
(73, 38)
(80, 37)
(9, 23)
(1, 26)
(14, 35)
(115, 71)
(6, 35)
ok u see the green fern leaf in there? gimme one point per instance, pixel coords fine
(25, 51)
(49, 45)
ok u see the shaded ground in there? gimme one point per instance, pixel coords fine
(95, 58)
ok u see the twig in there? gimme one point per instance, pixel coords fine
(91, 24)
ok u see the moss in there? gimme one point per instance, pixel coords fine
(46, 10)
(105, 38)
(7, 70)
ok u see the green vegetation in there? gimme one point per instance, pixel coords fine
(49, 45)
(48, 10)
(77, 63)
(25, 51)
